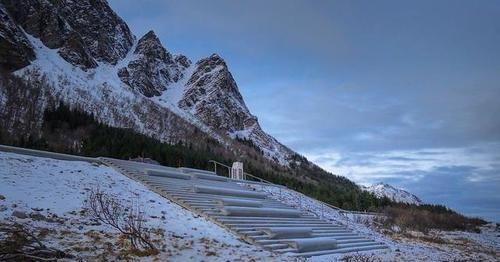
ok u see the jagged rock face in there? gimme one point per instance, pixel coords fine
(182, 61)
(41, 19)
(212, 95)
(85, 31)
(106, 36)
(153, 68)
(15, 50)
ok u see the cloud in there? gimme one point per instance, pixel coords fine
(465, 179)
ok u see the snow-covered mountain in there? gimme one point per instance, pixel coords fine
(395, 194)
(86, 56)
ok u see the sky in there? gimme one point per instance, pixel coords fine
(402, 92)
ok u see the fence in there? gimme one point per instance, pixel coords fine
(263, 182)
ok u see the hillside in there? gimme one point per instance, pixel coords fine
(48, 197)
(91, 60)
(81, 54)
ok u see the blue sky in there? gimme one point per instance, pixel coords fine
(404, 92)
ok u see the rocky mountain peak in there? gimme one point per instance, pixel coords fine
(150, 46)
(153, 68)
(213, 69)
(397, 195)
(89, 35)
(212, 95)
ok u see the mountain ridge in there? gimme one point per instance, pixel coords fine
(134, 87)
(104, 75)
(395, 194)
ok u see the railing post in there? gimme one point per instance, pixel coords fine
(280, 193)
(322, 207)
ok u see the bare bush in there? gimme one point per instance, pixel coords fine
(18, 243)
(127, 220)
(413, 218)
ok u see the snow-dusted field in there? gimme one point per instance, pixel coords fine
(457, 245)
(56, 190)
(50, 195)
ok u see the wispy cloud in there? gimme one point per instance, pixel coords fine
(462, 178)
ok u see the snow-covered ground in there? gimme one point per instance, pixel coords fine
(435, 246)
(51, 194)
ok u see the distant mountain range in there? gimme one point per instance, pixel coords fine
(394, 194)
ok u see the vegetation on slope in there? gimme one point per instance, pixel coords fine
(73, 131)
(426, 217)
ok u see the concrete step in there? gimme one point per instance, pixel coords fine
(266, 219)
(338, 250)
(247, 212)
(276, 246)
(264, 237)
(290, 223)
(340, 238)
(260, 225)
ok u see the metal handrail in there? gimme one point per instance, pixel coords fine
(340, 210)
(246, 174)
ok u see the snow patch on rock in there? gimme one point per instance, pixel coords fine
(394, 194)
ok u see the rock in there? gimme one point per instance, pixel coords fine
(2, 197)
(3, 208)
(38, 216)
(75, 52)
(214, 96)
(85, 31)
(15, 50)
(19, 214)
(37, 209)
(153, 68)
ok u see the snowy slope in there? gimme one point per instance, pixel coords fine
(395, 194)
(57, 189)
(455, 245)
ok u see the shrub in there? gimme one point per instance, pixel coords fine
(427, 217)
(19, 243)
(127, 220)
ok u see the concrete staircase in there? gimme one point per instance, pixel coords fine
(248, 213)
